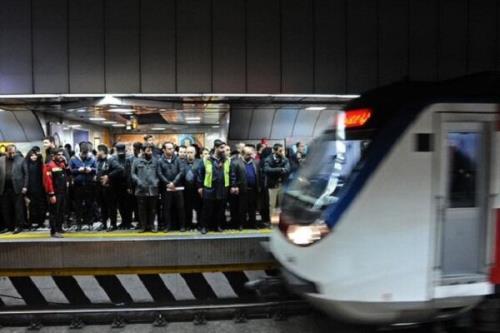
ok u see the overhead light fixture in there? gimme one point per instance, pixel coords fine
(192, 118)
(109, 100)
(112, 99)
(158, 128)
(315, 108)
(81, 110)
(97, 118)
(109, 122)
(75, 126)
(121, 110)
(119, 125)
(215, 126)
(192, 122)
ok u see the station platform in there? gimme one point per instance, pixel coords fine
(129, 268)
(130, 250)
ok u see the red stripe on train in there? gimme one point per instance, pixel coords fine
(495, 270)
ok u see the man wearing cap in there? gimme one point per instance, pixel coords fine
(213, 186)
(118, 179)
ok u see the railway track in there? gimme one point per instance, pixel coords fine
(117, 316)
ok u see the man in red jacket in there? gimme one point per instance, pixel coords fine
(55, 183)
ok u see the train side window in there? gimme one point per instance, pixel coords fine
(463, 149)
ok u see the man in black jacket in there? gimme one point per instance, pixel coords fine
(137, 149)
(170, 172)
(106, 168)
(214, 180)
(276, 171)
(192, 200)
(13, 187)
(245, 176)
(118, 180)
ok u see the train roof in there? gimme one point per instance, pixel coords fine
(480, 86)
(410, 97)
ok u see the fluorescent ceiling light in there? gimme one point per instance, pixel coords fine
(97, 118)
(75, 126)
(215, 126)
(193, 121)
(158, 128)
(315, 108)
(192, 118)
(119, 125)
(2, 110)
(109, 122)
(81, 110)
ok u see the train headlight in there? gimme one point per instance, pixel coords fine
(304, 235)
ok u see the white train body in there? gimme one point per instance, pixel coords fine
(404, 248)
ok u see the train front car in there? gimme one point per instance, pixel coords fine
(392, 217)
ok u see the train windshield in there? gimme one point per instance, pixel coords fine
(330, 162)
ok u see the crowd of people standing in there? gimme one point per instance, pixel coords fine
(162, 189)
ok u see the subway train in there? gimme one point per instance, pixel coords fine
(393, 217)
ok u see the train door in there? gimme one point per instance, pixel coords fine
(463, 212)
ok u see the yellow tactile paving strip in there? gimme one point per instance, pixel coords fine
(130, 234)
(137, 270)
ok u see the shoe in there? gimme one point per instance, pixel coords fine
(78, 228)
(56, 235)
(166, 229)
(240, 228)
(264, 225)
(17, 230)
(203, 230)
(182, 229)
(219, 229)
(111, 228)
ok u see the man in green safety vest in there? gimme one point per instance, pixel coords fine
(213, 186)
